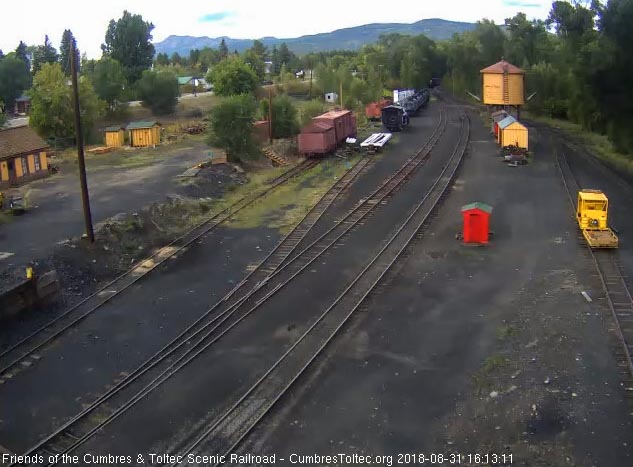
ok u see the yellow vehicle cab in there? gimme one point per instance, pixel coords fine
(592, 215)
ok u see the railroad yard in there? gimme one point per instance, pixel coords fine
(369, 329)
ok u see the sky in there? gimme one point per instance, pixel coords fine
(88, 19)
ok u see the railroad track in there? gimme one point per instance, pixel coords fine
(226, 432)
(607, 264)
(27, 351)
(215, 322)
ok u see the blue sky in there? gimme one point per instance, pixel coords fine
(237, 18)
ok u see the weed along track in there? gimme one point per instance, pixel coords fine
(124, 393)
(617, 293)
(222, 436)
(27, 351)
(267, 279)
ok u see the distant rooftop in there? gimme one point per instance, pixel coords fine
(503, 67)
(141, 124)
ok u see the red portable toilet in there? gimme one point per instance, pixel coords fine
(476, 222)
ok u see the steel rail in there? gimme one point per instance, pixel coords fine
(310, 218)
(607, 267)
(223, 429)
(133, 275)
(184, 339)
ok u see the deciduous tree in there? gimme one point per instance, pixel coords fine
(14, 79)
(159, 91)
(52, 111)
(284, 115)
(109, 81)
(128, 41)
(232, 127)
(232, 77)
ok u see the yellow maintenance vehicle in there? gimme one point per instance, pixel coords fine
(591, 214)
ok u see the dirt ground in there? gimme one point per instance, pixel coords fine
(130, 328)
(474, 350)
(119, 183)
(462, 351)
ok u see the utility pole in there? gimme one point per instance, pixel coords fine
(310, 79)
(341, 91)
(270, 115)
(85, 198)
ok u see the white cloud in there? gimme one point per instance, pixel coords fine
(248, 19)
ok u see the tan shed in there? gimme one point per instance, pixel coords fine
(22, 156)
(512, 133)
(503, 84)
(114, 136)
(144, 134)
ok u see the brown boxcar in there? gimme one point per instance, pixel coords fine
(341, 121)
(352, 121)
(318, 138)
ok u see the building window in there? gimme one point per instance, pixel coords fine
(38, 166)
(25, 166)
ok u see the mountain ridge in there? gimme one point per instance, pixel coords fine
(351, 38)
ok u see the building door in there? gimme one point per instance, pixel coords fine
(476, 227)
(13, 176)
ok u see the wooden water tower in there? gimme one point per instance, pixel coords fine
(503, 86)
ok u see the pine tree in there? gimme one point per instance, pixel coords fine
(64, 51)
(21, 53)
(276, 67)
(44, 54)
(285, 55)
(224, 50)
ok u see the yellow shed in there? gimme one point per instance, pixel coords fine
(143, 134)
(114, 136)
(503, 84)
(512, 133)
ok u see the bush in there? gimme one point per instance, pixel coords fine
(285, 123)
(232, 127)
(159, 91)
(310, 110)
(232, 77)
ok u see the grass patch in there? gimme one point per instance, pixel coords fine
(483, 379)
(288, 204)
(129, 158)
(506, 331)
(189, 107)
(492, 363)
(597, 144)
(5, 217)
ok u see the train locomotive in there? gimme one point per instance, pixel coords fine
(394, 117)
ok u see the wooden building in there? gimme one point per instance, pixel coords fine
(22, 105)
(22, 156)
(512, 133)
(144, 134)
(503, 85)
(114, 136)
